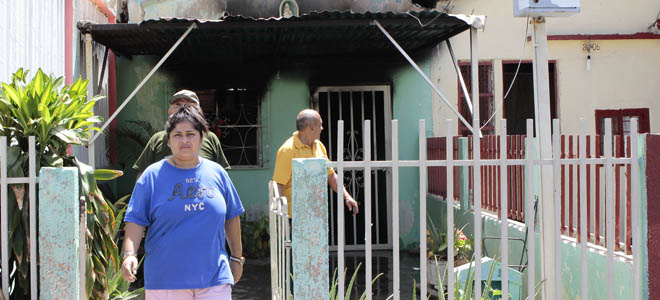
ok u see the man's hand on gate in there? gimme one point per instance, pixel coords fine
(351, 204)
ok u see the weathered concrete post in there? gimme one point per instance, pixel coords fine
(310, 228)
(650, 216)
(464, 174)
(59, 236)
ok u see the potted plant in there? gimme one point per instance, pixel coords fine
(436, 245)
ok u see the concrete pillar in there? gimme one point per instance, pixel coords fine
(464, 173)
(650, 216)
(310, 228)
(59, 235)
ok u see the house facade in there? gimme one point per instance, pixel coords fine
(603, 63)
(251, 90)
(251, 95)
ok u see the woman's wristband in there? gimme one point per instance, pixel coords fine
(129, 253)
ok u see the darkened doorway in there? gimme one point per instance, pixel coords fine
(519, 104)
(354, 105)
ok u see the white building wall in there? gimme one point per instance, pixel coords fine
(86, 10)
(32, 37)
(624, 73)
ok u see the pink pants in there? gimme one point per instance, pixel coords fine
(218, 292)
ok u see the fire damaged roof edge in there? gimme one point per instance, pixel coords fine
(475, 21)
(421, 29)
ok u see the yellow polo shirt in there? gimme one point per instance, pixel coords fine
(294, 148)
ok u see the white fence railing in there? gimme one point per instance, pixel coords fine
(280, 244)
(5, 181)
(278, 216)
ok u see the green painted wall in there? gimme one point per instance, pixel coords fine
(411, 101)
(287, 95)
(570, 254)
(149, 104)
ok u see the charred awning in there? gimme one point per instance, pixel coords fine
(313, 35)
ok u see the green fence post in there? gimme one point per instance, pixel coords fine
(59, 234)
(463, 173)
(310, 228)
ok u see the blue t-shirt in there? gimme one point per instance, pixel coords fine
(185, 210)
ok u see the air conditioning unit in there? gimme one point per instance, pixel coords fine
(545, 8)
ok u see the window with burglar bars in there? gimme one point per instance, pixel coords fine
(486, 98)
(234, 116)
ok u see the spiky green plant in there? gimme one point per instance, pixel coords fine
(58, 116)
(335, 284)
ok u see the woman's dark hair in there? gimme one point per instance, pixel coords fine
(187, 113)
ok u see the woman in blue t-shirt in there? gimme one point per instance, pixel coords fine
(191, 208)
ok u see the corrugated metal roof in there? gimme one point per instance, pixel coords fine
(313, 35)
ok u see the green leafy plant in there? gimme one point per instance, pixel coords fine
(138, 131)
(255, 237)
(465, 291)
(118, 288)
(335, 284)
(436, 243)
(58, 116)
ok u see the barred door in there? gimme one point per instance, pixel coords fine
(354, 104)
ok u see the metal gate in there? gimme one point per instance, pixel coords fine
(354, 105)
(280, 262)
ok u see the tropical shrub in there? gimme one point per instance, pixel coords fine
(332, 295)
(57, 115)
(436, 243)
(255, 237)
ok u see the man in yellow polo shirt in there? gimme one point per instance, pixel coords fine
(305, 144)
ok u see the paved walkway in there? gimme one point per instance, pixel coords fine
(255, 283)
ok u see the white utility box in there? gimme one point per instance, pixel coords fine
(545, 8)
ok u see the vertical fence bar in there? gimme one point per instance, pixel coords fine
(609, 208)
(476, 134)
(580, 196)
(32, 186)
(395, 210)
(617, 193)
(4, 236)
(563, 184)
(521, 201)
(588, 166)
(529, 207)
(282, 275)
(504, 208)
(354, 187)
(422, 208)
(628, 239)
(366, 140)
(450, 209)
(331, 208)
(272, 232)
(634, 214)
(477, 212)
(340, 209)
(556, 170)
(288, 287)
(583, 208)
(571, 184)
(597, 167)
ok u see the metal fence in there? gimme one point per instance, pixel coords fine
(607, 161)
(280, 244)
(491, 197)
(5, 183)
